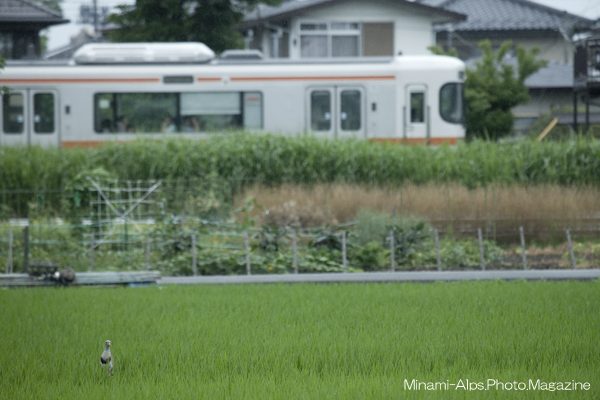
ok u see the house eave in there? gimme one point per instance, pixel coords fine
(249, 23)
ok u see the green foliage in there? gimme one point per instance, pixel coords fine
(77, 189)
(372, 226)
(329, 238)
(250, 204)
(494, 87)
(173, 235)
(213, 22)
(272, 237)
(236, 161)
(407, 241)
(370, 257)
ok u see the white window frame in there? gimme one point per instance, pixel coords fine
(330, 32)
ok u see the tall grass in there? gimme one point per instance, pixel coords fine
(301, 341)
(275, 160)
(545, 211)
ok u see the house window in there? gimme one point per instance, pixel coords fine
(330, 39)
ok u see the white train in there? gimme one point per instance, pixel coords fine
(120, 92)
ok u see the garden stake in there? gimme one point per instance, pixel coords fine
(392, 249)
(437, 249)
(92, 252)
(571, 249)
(295, 252)
(523, 247)
(147, 254)
(344, 250)
(247, 253)
(481, 249)
(194, 264)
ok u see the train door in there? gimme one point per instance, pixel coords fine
(30, 117)
(336, 112)
(417, 113)
(350, 112)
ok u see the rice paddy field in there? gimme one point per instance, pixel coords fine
(305, 341)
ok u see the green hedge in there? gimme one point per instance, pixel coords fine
(275, 160)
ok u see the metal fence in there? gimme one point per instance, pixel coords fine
(191, 246)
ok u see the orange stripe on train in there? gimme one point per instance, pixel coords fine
(83, 80)
(310, 78)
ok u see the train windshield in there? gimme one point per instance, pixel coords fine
(452, 103)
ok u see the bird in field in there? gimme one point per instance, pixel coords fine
(106, 358)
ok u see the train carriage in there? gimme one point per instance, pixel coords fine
(120, 92)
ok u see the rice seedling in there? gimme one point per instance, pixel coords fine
(299, 341)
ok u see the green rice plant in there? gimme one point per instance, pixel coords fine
(351, 341)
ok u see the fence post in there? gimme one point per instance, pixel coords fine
(247, 253)
(295, 252)
(523, 247)
(194, 264)
(9, 260)
(571, 249)
(392, 250)
(26, 249)
(92, 252)
(437, 249)
(481, 249)
(147, 254)
(344, 251)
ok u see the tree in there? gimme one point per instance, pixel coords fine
(212, 22)
(493, 88)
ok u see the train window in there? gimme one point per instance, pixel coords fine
(417, 107)
(135, 112)
(452, 103)
(177, 112)
(350, 110)
(320, 110)
(12, 112)
(43, 113)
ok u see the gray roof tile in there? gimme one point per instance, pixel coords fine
(27, 11)
(502, 15)
(290, 7)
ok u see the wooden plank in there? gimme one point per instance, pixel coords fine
(84, 278)
(548, 129)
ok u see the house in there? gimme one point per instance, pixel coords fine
(524, 22)
(20, 24)
(84, 36)
(528, 24)
(301, 29)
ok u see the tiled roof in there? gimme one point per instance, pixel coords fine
(291, 7)
(502, 15)
(27, 11)
(554, 75)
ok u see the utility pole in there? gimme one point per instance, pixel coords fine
(96, 18)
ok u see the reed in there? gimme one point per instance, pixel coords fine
(544, 211)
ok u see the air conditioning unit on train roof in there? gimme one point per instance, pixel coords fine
(143, 53)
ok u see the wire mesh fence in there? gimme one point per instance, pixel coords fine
(191, 246)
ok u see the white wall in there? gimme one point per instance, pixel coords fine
(412, 30)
